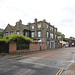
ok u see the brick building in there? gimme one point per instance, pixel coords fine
(44, 31)
(37, 30)
(18, 29)
(71, 42)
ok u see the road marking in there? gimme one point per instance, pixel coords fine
(59, 72)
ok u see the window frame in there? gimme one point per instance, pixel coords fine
(17, 32)
(32, 27)
(47, 26)
(11, 32)
(47, 34)
(32, 34)
(51, 28)
(39, 34)
(51, 35)
(6, 33)
(39, 25)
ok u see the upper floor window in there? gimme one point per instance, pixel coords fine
(51, 35)
(51, 28)
(39, 25)
(32, 34)
(32, 26)
(47, 34)
(39, 33)
(55, 30)
(6, 33)
(18, 32)
(11, 32)
(55, 36)
(47, 26)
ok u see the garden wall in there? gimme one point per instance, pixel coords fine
(32, 46)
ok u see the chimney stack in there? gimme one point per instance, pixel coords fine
(35, 20)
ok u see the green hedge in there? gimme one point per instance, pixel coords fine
(17, 38)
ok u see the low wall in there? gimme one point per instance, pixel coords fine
(32, 46)
(36, 46)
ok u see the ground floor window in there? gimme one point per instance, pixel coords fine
(22, 46)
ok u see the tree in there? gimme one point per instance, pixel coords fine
(62, 35)
(59, 34)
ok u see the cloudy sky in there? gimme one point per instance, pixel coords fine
(60, 13)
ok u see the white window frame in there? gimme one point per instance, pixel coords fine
(47, 26)
(18, 32)
(11, 32)
(55, 36)
(51, 35)
(39, 25)
(47, 34)
(51, 28)
(39, 33)
(55, 30)
(6, 33)
(32, 26)
(32, 34)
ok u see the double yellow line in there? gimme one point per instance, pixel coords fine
(59, 72)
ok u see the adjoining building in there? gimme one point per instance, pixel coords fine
(71, 42)
(19, 29)
(39, 30)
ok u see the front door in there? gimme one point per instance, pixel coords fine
(52, 44)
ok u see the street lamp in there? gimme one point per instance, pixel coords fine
(40, 43)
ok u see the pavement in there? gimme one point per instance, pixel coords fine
(47, 62)
(70, 70)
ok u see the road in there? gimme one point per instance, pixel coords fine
(47, 62)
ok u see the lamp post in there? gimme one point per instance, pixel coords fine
(40, 43)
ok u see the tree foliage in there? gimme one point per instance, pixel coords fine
(62, 35)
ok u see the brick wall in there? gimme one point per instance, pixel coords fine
(13, 47)
(36, 46)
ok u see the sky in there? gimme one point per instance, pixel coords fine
(60, 13)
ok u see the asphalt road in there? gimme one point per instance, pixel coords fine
(12, 67)
(47, 62)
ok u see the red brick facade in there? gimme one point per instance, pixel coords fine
(13, 47)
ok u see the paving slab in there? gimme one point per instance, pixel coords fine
(71, 70)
